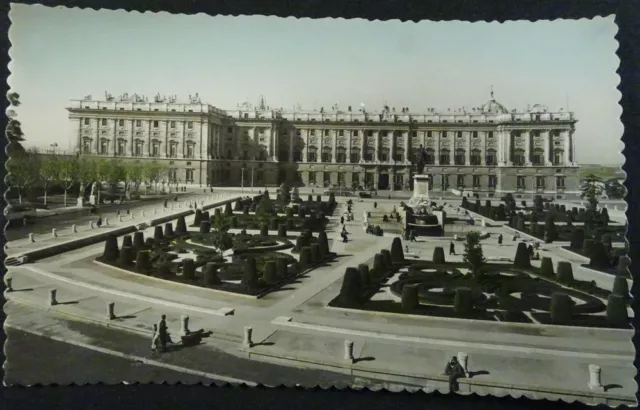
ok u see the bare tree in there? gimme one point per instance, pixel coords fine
(67, 174)
(22, 172)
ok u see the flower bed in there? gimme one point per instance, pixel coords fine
(497, 292)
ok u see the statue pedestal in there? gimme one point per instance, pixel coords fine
(420, 196)
(93, 199)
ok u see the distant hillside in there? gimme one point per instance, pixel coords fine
(603, 171)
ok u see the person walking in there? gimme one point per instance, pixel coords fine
(162, 333)
(452, 248)
(155, 340)
(500, 239)
(99, 222)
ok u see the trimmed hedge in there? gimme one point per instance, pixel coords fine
(126, 256)
(620, 287)
(210, 277)
(227, 209)
(561, 308)
(250, 275)
(181, 226)
(564, 272)
(281, 268)
(197, 217)
(378, 265)
(522, 259)
(282, 231)
(438, 255)
(111, 251)
(233, 222)
(323, 244)
(409, 301)
(599, 258)
(264, 230)
(386, 256)
(546, 267)
(365, 275)
(463, 301)
(205, 227)
(157, 233)
(617, 314)
(164, 271)
(168, 230)
(351, 290)
(305, 257)
(397, 255)
(270, 276)
(143, 261)
(188, 269)
(126, 241)
(138, 241)
(315, 253)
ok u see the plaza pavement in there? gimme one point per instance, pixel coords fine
(293, 326)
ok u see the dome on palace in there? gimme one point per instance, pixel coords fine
(538, 108)
(493, 107)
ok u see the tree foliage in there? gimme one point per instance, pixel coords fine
(473, 255)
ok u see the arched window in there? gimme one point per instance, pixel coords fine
(538, 156)
(355, 155)
(312, 154)
(155, 148)
(445, 156)
(558, 157)
(121, 150)
(86, 146)
(191, 150)
(460, 157)
(476, 157)
(138, 148)
(104, 146)
(518, 157)
(491, 158)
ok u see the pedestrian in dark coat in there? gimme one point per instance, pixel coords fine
(500, 239)
(455, 371)
(452, 248)
(163, 336)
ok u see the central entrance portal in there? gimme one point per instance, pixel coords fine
(383, 182)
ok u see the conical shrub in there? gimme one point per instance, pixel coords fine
(561, 308)
(546, 267)
(378, 265)
(386, 257)
(188, 269)
(143, 261)
(281, 268)
(227, 209)
(111, 251)
(305, 257)
(564, 273)
(463, 301)
(365, 275)
(250, 275)
(138, 241)
(599, 257)
(315, 253)
(126, 241)
(323, 243)
(126, 256)
(233, 222)
(409, 301)
(210, 277)
(617, 314)
(282, 231)
(522, 259)
(351, 290)
(587, 247)
(620, 287)
(438, 255)
(157, 233)
(205, 227)
(168, 230)
(197, 218)
(397, 254)
(623, 266)
(270, 276)
(264, 230)
(181, 226)
(273, 224)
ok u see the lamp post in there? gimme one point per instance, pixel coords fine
(242, 181)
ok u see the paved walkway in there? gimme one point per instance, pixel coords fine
(415, 346)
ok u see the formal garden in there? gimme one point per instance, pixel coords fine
(514, 291)
(217, 259)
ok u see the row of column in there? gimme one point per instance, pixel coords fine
(507, 145)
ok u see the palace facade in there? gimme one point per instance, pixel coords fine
(485, 149)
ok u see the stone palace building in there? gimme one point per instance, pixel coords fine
(486, 149)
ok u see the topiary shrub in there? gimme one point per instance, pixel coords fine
(157, 233)
(386, 257)
(270, 276)
(264, 230)
(149, 242)
(587, 247)
(281, 268)
(397, 255)
(323, 244)
(138, 241)
(564, 272)
(561, 308)
(620, 287)
(227, 209)
(577, 238)
(623, 266)
(238, 205)
(522, 259)
(305, 257)
(164, 271)
(205, 227)
(599, 258)
(273, 224)
(210, 276)
(289, 224)
(250, 275)
(126, 241)
(315, 253)
(197, 217)
(520, 224)
(617, 314)
(111, 251)
(181, 226)
(143, 261)
(188, 269)
(463, 301)
(233, 223)
(438, 255)
(546, 267)
(245, 210)
(126, 256)
(378, 265)
(365, 275)
(409, 301)
(351, 290)
(168, 230)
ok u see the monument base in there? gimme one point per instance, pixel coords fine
(93, 199)
(420, 196)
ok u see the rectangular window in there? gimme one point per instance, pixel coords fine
(475, 134)
(138, 123)
(229, 130)
(326, 178)
(120, 147)
(173, 150)
(414, 134)
(190, 151)
(312, 132)
(369, 133)
(189, 175)
(355, 133)
(476, 181)
(445, 181)
(326, 133)
(121, 123)
(459, 134)
(493, 181)
(560, 182)
(311, 156)
(190, 124)
(155, 149)
(155, 124)
(540, 182)
(86, 121)
(104, 121)
(460, 181)
(104, 148)
(490, 134)
(312, 177)
(520, 182)
(138, 149)
(341, 133)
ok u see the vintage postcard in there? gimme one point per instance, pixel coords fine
(430, 206)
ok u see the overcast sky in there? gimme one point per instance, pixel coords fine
(62, 54)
